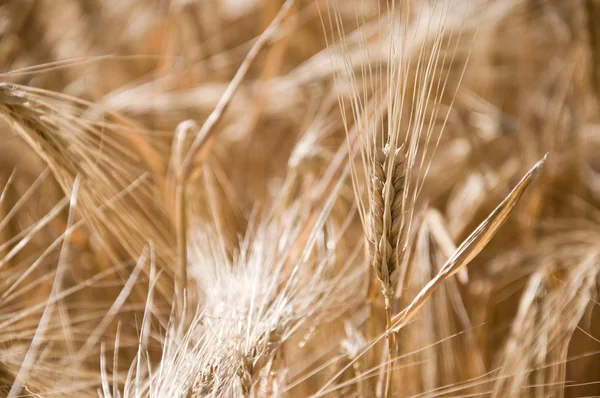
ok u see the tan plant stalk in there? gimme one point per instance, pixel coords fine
(205, 137)
(183, 130)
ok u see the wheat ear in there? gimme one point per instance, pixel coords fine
(386, 218)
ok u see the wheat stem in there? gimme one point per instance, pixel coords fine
(183, 129)
(205, 137)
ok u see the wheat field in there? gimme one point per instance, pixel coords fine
(309, 198)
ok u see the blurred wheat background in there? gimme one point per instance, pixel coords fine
(338, 198)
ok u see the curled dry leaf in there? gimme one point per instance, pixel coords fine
(470, 248)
